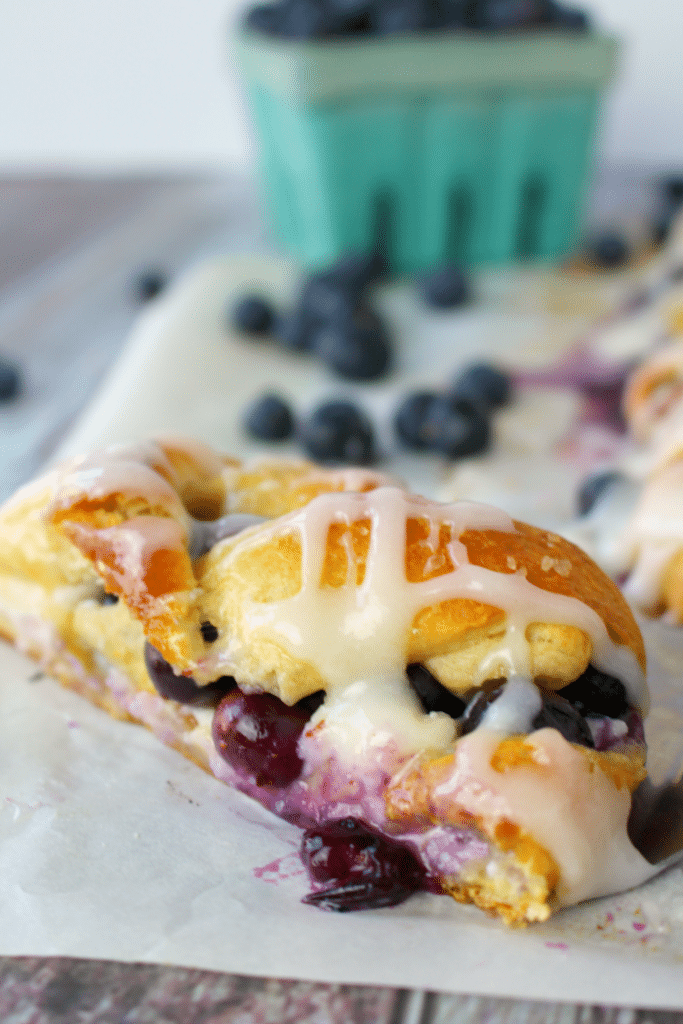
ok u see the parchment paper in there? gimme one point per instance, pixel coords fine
(112, 846)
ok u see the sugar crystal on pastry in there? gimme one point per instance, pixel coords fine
(306, 627)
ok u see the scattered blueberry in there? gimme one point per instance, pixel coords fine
(293, 331)
(269, 418)
(483, 384)
(252, 314)
(445, 288)
(502, 15)
(432, 694)
(10, 381)
(258, 734)
(357, 270)
(338, 432)
(672, 190)
(593, 488)
(391, 17)
(608, 251)
(327, 297)
(596, 693)
(410, 419)
(183, 688)
(456, 427)
(150, 284)
(571, 18)
(356, 346)
(367, 870)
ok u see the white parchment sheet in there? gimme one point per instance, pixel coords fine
(112, 846)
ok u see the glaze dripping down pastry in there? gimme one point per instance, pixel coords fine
(462, 690)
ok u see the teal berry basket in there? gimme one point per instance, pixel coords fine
(441, 148)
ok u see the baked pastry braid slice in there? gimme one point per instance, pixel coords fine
(460, 694)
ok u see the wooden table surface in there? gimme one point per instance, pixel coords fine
(71, 253)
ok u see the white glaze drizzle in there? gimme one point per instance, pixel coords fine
(514, 711)
(355, 634)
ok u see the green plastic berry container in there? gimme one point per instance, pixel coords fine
(433, 148)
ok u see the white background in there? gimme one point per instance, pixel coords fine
(101, 85)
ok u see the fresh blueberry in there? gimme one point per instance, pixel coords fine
(338, 432)
(252, 314)
(571, 18)
(593, 488)
(357, 270)
(596, 693)
(609, 250)
(446, 288)
(150, 284)
(432, 694)
(391, 17)
(502, 15)
(10, 381)
(410, 419)
(367, 870)
(183, 688)
(329, 297)
(303, 19)
(672, 191)
(269, 418)
(355, 346)
(483, 384)
(456, 427)
(264, 18)
(454, 14)
(294, 331)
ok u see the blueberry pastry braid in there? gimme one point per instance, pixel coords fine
(442, 698)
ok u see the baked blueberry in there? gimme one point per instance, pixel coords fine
(556, 713)
(149, 284)
(10, 381)
(445, 288)
(269, 418)
(609, 250)
(483, 384)
(355, 346)
(410, 419)
(593, 488)
(252, 314)
(596, 693)
(433, 696)
(183, 688)
(367, 870)
(338, 432)
(456, 427)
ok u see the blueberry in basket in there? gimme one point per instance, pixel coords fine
(269, 418)
(339, 432)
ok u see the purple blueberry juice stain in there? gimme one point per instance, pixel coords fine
(280, 869)
(639, 926)
(557, 945)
